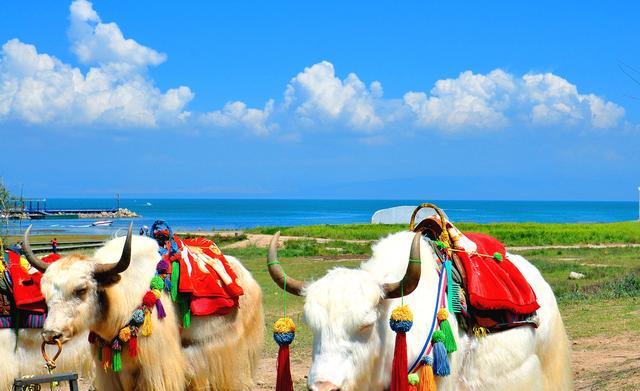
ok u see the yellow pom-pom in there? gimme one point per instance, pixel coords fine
(284, 325)
(125, 334)
(25, 264)
(402, 313)
(157, 292)
(443, 314)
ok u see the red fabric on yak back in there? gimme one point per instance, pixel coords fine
(206, 274)
(26, 284)
(496, 285)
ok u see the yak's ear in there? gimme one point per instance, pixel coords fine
(105, 280)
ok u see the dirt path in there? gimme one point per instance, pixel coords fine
(262, 240)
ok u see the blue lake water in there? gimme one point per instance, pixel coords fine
(207, 214)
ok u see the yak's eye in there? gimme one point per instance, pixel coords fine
(80, 292)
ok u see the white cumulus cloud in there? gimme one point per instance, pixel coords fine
(317, 96)
(498, 99)
(37, 88)
(95, 42)
(238, 115)
(115, 89)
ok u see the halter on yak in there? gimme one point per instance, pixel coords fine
(193, 272)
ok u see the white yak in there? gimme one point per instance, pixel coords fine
(101, 292)
(348, 312)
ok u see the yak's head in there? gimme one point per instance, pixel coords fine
(74, 289)
(346, 310)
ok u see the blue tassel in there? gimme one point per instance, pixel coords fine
(440, 359)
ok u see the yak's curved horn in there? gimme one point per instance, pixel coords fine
(277, 273)
(103, 270)
(411, 277)
(28, 253)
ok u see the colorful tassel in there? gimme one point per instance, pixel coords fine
(445, 327)
(117, 355)
(133, 346)
(284, 331)
(147, 328)
(160, 309)
(427, 380)
(175, 278)
(125, 334)
(137, 319)
(440, 359)
(157, 282)
(401, 321)
(149, 299)
(106, 357)
(185, 310)
(414, 381)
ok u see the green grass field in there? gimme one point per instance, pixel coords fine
(512, 234)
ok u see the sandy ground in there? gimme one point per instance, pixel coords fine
(611, 363)
(598, 364)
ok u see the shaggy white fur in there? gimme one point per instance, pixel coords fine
(215, 353)
(353, 344)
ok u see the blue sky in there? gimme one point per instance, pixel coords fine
(423, 100)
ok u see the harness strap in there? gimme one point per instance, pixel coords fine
(440, 298)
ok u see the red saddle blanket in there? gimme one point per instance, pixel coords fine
(493, 284)
(206, 275)
(26, 284)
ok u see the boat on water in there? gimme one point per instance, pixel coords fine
(102, 223)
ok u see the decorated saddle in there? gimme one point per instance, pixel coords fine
(22, 305)
(205, 280)
(493, 294)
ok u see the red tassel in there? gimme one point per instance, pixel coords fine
(399, 381)
(106, 356)
(133, 346)
(283, 380)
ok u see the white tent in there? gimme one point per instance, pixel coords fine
(400, 215)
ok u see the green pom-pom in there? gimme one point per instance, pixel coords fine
(438, 336)
(157, 283)
(414, 379)
(440, 245)
(497, 256)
